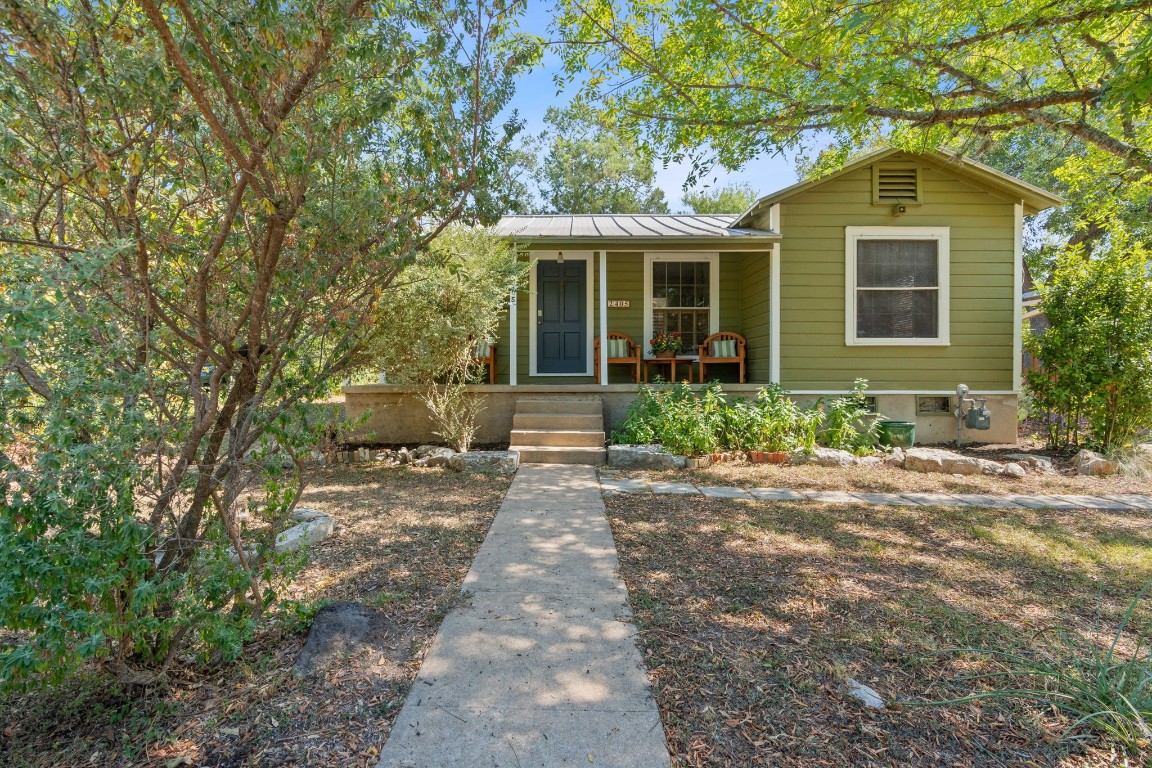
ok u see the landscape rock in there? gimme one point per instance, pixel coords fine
(895, 458)
(1091, 463)
(824, 457)
(939, 460)
(421, 451)
(864, 694)
(1033, 463)
(337, 630)
(1012, 469)
(486, 462)
(305, 534)
(403, 456)
(643, 457)
(949, 463)
(314, 527)
(869, 461)
(438, 456)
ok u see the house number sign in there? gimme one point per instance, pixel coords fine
(619, 303)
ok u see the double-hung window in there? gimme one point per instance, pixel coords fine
(897, 286)
(682, 294)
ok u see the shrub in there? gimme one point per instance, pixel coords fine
(695, 423)
(1096, 383)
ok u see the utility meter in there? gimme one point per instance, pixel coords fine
(978, 416)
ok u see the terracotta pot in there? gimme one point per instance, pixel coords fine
(776, 457)
(699, 462)
(756, 457)
(665, 353)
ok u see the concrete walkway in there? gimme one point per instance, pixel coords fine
(539, 666)
(613, 482)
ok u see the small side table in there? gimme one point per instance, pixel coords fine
(671, 362)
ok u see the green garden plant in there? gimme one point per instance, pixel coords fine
(848, 423)
(707, 421)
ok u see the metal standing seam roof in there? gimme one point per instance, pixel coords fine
(624, 226)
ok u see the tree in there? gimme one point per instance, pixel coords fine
(592, 165)
(730, 198)
(201, 205)
(725, 79)
(444, 306)
(1097, 350)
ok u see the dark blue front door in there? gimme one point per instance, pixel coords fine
(561, 322)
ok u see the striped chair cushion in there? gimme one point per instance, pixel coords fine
(617, 347)
(482, 350)
(724, 348)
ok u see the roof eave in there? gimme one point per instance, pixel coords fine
(722, 243)
(1034, 198)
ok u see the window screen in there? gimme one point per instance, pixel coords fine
(897, 289)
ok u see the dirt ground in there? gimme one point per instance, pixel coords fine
(753, 615)
(404, 541)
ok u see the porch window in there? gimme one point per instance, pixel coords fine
(897, 290)
(681, 297)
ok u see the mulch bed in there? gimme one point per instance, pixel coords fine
(404, 541)
(753, 615)
(884, 479)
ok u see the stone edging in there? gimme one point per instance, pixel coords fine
(1113, 502)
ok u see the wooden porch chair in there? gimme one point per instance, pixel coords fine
(723, 347)
(484, 353)
(621, 351)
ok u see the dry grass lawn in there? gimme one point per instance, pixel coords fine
(753, 614)
(404, 541)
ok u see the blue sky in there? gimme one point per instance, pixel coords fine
(537, 91)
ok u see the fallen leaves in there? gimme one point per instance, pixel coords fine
(409, 534)
(752, 615)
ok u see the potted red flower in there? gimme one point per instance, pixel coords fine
(665, 344)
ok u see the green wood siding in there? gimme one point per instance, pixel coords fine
(813, 352)
(755, 274)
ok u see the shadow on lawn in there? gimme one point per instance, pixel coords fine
(752, 614)
(404, 541)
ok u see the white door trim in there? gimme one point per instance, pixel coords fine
(537, 256)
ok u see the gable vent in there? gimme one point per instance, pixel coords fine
(895, 184)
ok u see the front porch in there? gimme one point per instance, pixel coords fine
(395, 415)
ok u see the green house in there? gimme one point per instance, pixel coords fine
(901, 269)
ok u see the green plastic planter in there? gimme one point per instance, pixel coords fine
(897, 434)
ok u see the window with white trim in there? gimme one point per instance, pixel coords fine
(681, 296)
(897, 286)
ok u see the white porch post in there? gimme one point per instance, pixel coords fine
(513, 350)
(1017, 296)
(774, 299)
(602, 258)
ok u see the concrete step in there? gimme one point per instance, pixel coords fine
(554, 421)
(552, 454)
(561, 405)
(576, 438)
